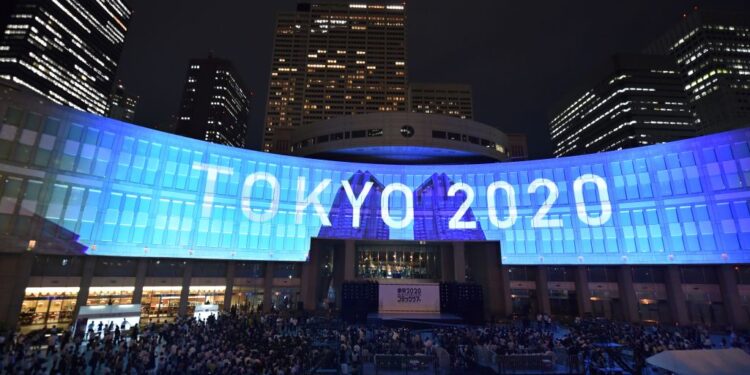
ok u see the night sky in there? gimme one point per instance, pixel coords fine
(520, 57)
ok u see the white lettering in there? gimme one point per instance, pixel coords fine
(492, 207)
(356, 201)
(409, 206)
(303, 202)
(601, 187)
(247, 188)
(211, 177)
(455, 222)
(539, 220)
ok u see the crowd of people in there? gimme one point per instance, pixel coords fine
(271, 344)
(589, 340)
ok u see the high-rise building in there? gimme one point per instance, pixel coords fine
(121, 105)
(65, 50)
(332, 59)
(518, 146)
(634, 100)
(441, 98)
(712, 50)
(215, 103)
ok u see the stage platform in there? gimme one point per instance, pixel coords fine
(414, 319)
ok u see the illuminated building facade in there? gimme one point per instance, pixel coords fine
(712, 50)
(65, 50)
(441, 98)
(215, 103)
(332, 59)
(635, 100)
(121, 105)
(96, 211)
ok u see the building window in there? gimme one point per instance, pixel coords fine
(407, 131)
(374, 132)
(522, 273)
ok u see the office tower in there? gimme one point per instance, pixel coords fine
(65, 50)
(121, 105)
(632, 100)
(518, 146)
(332, 59)
(712, 50)
(441, 98)
(215, 104)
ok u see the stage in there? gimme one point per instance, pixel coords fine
(414, 319)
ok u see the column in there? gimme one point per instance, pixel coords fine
(488, 275)
(339, 259)
(542, 290)
(89, 263)
(349, 260)
(628, 300)
(446, 263)
(15, 272)
(507, 301)
(309, 287)
(140, 281)
(229, 286)
(459, 262)
(268, 287)
(730, 295)
(583, 293)
(676, 296)
(185, 292)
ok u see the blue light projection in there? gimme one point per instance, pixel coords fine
(130, 191)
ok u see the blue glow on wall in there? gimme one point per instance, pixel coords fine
(131, 191)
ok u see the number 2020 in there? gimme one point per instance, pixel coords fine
(540, 219)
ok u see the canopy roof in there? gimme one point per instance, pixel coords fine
(703, 362)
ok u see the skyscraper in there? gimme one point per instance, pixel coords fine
(712, 50)
(121, 105)
(518, 146)
(633, 100)
(332, 59)
(215, 103)
(65, 50)
(441, 98)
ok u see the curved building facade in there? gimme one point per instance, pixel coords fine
(401, 138)
(95, 211)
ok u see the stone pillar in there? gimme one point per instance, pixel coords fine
(507, 301)
(676, 296)
(628, 300)
(459, 262)
(542, 291)
(89, 263)
(349, 260)
(730, 295)
(583, 293)
(15, 272)
(268, 287)
(185, 292)
(229, 286)
(310, 276)
(140, 280)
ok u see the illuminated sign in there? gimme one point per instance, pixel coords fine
(131, 191)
